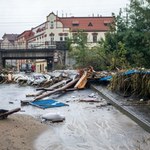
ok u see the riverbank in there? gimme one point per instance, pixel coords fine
(18, 132)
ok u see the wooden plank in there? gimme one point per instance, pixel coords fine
(57, 90)
(51, 88)
(82, 82)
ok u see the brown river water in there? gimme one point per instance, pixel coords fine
(86, 127)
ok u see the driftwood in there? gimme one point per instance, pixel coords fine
(5, 113)
(57, 90)
(51, 88)
(89, 100)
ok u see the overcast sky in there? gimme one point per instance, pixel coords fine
(17, 16)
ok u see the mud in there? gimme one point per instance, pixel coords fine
(87, 127)
(141, 108)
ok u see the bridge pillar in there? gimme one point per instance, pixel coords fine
(49, 64)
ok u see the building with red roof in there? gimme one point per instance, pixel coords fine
(23, 38)
(60, 28)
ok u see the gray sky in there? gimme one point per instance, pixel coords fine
(17, 16)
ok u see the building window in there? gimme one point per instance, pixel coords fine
(94, 37)
(75, 23)
(107, 23)
(52, 39)
(52, 25)
(66, 38)
(61, 38)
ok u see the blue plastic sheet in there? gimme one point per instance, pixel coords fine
(129, 72)
(48, 103)
(107, 78)
(136, 72)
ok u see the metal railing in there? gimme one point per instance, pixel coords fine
(61, 45)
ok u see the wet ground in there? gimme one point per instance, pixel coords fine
(87, 127)
(137, 105)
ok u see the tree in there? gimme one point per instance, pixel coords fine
(87, 56)
(139, 17)
(78, 48)
(133, 31)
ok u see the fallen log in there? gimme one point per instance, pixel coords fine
(51, 88)
(5, 113)
(57, 90)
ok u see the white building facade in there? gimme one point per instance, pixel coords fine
(60, 28)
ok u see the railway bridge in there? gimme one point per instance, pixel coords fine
(42, 53)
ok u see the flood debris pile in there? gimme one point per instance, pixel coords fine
(5, 76)
(34, 79)
(132, 83)
(70, 82)
(50, 78)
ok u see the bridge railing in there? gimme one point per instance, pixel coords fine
(61, 45)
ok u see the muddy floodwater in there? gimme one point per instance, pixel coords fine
(87, 125)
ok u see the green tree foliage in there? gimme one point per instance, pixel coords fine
(133, 30)
(85, 55)
(78, 48)
(118, 58)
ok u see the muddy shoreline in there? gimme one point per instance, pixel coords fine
(18, 132)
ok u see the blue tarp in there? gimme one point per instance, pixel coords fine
(129, 72)
(107, 78)
(48, 103)
(135, 71)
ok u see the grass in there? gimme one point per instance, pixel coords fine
(136, 84)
